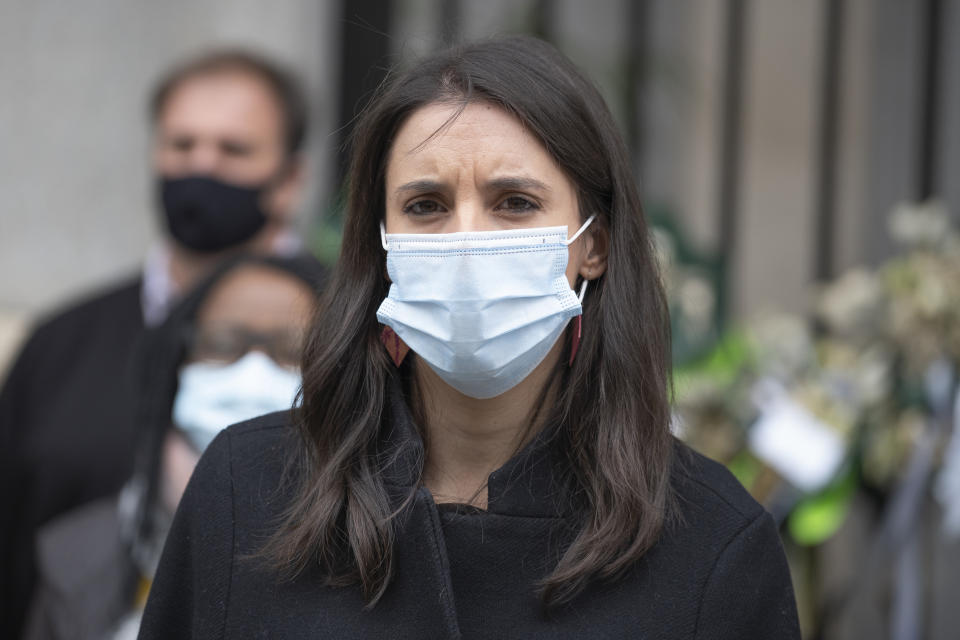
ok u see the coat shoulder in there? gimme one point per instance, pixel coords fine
(112, 314)
(256, 454)
(251, 439)
(121, 298)
(725, 547)
(708, 493)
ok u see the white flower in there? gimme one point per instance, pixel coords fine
(850, 306)
(923, 224)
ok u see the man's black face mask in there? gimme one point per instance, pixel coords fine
(207, 215)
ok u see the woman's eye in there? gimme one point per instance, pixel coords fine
(423, 207)
(517, 203)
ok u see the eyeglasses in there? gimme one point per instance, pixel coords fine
(224, 345)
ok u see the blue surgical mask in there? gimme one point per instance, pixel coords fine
(482, 308)
(212, 396)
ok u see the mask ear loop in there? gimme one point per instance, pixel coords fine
(578, 321)
(396, 347)
(582, 228)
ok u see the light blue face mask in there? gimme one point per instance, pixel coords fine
(212, 396)
(482, 308)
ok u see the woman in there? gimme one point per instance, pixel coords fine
(229, 351)
(468, 461)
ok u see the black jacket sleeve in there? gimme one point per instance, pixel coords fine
(749, 593)
(188, 598)
(16, 549)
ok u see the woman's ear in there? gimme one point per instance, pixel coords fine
(597, 247)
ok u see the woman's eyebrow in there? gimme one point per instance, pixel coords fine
(507, 183)
(519, 183)
(418, 186)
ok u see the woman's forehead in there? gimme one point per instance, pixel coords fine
(257, 296)
(478, 137)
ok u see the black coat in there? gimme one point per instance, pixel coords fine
(67, 428)
(461, 572)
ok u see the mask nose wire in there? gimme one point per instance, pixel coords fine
(569, 241)
(582, 228)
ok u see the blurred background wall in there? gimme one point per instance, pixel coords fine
(776, 135)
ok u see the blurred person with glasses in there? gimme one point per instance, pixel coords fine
(229, 352)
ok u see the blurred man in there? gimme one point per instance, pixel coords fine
(228, 133)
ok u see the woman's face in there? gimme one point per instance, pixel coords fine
(481, 172)
(251, 308)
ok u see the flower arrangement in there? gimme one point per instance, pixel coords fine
(805, 408)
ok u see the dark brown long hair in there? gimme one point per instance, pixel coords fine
(613, 407)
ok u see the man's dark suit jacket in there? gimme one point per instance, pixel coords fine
(66, 429)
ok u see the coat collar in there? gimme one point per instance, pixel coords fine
(526, 485)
